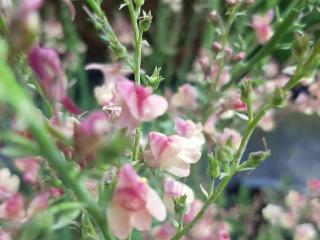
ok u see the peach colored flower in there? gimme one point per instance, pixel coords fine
(138, 104)
(186, 97)
(262, 26)
(9, 184)
(133, 204)
(173, 154)
(190, 130)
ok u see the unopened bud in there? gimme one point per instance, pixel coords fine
(238, 57)
(180, 206)
(213, 170)
(245, 5)
(139, 2)
(216, 47)
(224, 153)
(246, 91)
(257, 157)
(214, 18)
(300, 45)
(230, 3)
(279, 98)
(155, 79)
(145, 21)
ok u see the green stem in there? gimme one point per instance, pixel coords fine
(293, 13)
(300, 72)
(11, 92)
(224, 42)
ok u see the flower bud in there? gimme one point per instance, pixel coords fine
(216, 47)
(300, 45)
(246, 91)
(145, 21)
(230, 3)
(139, 2)
(245, 5)
(155, 79)
(238, 57)
(213, 170)
(279, 98)
(224, 154)
(180, 206)
(256, 158)
(214, 18)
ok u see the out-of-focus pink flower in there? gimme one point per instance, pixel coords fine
(304, 104)
(186, 97)
(267, 123)
(4, 235)
(163, 232)
(193, 211)
(229, 134)
(173, 154)
(305, 231)
(224, 78)
(174, 189)
(27, 6)
(273, 214)
(314, 185)
(262, 26)
(138, 104)
(88, 134)
(29, 167)
(38, 204)
(190, 130)
(133, 204)
(46, 64)
(295, 201)
(9, 184)
(13, 208)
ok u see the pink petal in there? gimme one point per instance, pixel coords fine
(155, 205)
(154, 107)
(177, 167)
(141, 220)
(119, 221)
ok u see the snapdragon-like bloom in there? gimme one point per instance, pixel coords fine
(4, 235)
(46, 64)
(38, 204)
(261, 25)
(173, 154)
(13, 208)
(9, 184)
(305, 231)
(175, 189)
(133, 204)
(229, 134)
(88, 133)
(314, 186)
(138, 104)
(273, 214)
(186, 97)
(190, 130)
(29, 166)
(163, 232)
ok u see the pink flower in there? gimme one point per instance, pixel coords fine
(29, 167)
(186, 97)
(9, 184)
(273, 214)
(38, 204)
(305, 231)
(88, 134)
(224, 78)
(173, 154)
(4, 235)
(193, 211)
(13, 208)
(138, 104)
(261, 25)
(230, 134)
(28, 6)
(46, 64)
(190, 130)
(314, 185)
(133, 204)
(163, 232)
(174, 189)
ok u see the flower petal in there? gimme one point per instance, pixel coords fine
(141, 220)
(155, 205)
(119, 221)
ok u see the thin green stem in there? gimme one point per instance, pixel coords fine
(224, 42)
(293, 13)
(12, 93)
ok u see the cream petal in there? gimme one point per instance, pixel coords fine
(154, 107)
(142, 220)
(119, 221)
(155, 205)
